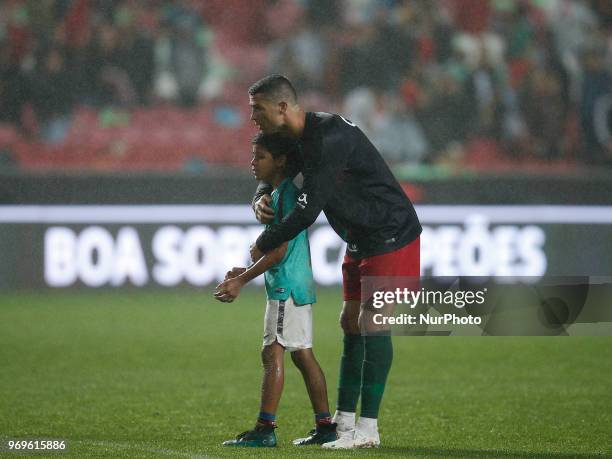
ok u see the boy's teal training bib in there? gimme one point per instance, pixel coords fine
(293, 274)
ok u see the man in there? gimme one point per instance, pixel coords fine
(344, 176)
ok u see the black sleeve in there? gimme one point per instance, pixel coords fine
(320, 177)
(262, 188)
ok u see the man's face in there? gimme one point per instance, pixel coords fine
(263, 164)
(267, 114)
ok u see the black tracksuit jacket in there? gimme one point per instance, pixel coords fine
(345, 177)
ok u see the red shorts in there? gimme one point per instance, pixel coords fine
(403, 262)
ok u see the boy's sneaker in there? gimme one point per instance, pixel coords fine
(360, 437)
(323, 433)
(261, 436)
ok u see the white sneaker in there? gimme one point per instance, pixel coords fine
(345, 422)
(345, 441)
(355, 439)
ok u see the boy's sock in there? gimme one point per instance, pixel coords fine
(350, 373)
(376, 366)
(323, 419)
(266, 419)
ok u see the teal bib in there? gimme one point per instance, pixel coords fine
(292, 276)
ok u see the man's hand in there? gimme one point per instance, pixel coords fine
(263, 212)
(228, 290)
(235, 272)
(256, 254)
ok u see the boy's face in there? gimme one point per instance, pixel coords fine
(264, 166)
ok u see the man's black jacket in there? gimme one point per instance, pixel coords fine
(345, 177)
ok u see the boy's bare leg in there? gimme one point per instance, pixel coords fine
(271, 389)
(272, 357)
(314, 379)
(325, 430)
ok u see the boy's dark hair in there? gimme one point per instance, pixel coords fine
(279, 145)
(277, 87)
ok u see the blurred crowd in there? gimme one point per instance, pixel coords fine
(423, 78)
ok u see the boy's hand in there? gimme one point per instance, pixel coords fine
(235, 272)
(263, 211)
(256, 254)
(227, 291)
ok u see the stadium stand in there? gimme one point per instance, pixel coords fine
(161, 85)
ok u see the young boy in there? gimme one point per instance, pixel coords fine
(291, 293)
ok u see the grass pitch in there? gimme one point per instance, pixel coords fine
(173, 374)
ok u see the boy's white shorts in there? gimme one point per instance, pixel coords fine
(288, 324)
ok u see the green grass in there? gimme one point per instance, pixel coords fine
(173, 374)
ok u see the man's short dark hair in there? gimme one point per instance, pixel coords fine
(277, 87)
(279, 145)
